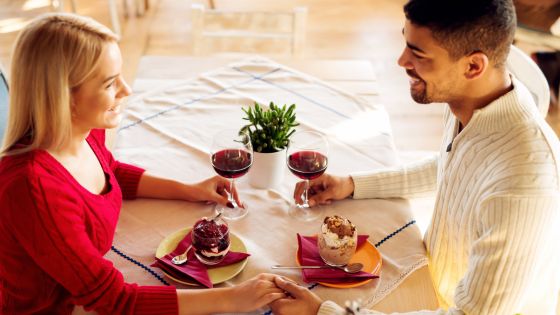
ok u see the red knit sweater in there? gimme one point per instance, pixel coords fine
(54, 233)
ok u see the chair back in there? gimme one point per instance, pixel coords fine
(527, 71)
(537, 38)
(248, 30)
(3, 103)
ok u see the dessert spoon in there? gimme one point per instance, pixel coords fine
(182, 258)
(350, 268)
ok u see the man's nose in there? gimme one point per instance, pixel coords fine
(404, 60)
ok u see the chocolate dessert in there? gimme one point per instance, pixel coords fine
(337, 241)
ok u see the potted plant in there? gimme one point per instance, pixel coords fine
(270, 130)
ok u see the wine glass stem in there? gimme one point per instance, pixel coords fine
(230, 195)
(305, 199)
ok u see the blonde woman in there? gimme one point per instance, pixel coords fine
(61, 190)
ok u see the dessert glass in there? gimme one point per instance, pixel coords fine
(210, 240)
(337, 241)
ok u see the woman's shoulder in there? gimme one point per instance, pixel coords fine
(18, 163)
(31, 183)
(23, 171)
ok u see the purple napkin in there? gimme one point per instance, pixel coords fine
(308, 255)
(193, 269)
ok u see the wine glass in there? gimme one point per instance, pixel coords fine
(307, 159)
(232, 156)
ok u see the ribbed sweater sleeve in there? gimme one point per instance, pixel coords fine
(156, 300)
(128, 176)
(406, 181)
(48, 224)
(331, 308)
(515, 232)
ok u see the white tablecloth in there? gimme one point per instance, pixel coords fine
(168, 131)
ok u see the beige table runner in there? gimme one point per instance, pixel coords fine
(168, 131)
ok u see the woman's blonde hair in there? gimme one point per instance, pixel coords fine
(52, 57)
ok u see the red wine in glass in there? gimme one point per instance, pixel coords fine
(306, 158)
(231, 156)
(231, 163)
(307, 164)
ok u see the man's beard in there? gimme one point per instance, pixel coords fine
(420, 96)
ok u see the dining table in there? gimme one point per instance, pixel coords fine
(180, 102)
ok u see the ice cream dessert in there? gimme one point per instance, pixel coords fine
(210, 240)
(337, 240)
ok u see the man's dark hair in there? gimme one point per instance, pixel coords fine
(466, 26)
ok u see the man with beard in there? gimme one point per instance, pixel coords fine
(493, 239)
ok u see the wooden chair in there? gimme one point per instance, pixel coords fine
(527, 71)
(140, 6)
(527, 35)
(113, 12)
(235, 26)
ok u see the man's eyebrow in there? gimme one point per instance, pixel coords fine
(110, 78)
(409, 45)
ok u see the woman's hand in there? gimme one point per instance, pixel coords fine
(213, 189)
(302, 301)
(255, 293)
(245, 297)
(325, 189)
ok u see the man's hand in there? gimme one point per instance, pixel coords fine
(245, 297)
(255, 293)
(325, 189)
(302, 301)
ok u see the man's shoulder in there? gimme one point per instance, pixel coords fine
(526, 157)
(534, 136)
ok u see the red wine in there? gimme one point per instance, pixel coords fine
(307, 164)
(231, 163)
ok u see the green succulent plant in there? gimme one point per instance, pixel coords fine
(270, 128)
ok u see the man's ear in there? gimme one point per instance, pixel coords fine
(477, 63)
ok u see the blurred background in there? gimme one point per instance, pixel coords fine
(333, 29)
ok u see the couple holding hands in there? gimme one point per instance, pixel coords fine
(492, 242)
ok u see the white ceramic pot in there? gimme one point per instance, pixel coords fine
(268, 169)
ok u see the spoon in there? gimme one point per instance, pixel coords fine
(182, 258)
(350, 268)
(216, 216)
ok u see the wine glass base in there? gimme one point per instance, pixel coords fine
(303, 213)
(234, 213)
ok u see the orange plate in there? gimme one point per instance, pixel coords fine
(368, 255)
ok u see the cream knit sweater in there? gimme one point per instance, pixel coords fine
(494, 239)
